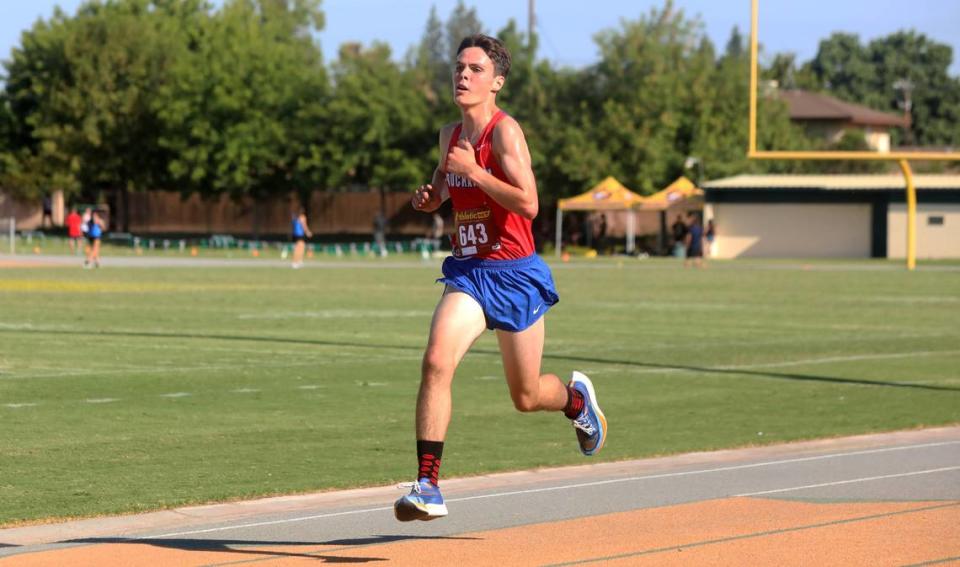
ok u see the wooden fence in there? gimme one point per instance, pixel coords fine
(328, 213)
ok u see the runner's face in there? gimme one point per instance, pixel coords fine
(473, 77)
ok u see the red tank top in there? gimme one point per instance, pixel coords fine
(515, 231)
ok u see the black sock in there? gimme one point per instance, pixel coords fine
(429, 454)
(574, 403)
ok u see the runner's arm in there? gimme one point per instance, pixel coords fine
(510, 147)
(306, 229)
(428, 198)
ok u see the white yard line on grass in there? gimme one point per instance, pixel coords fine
(164, 370)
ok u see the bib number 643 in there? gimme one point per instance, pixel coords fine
(473, 234)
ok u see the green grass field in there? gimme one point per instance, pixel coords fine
(131, 389)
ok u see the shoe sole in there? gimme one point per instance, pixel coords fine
(582, 378)
(406, 511)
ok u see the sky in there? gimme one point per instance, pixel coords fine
(567, 27)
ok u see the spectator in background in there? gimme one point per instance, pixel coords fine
(436, 231)
(600, 235)
(94, 233)
(300, 232)
(47, 211)
(679, 231)
(380, 233)
(85, 220)
(573, 230)
(74, 231)
(694, 241)
(710, 235)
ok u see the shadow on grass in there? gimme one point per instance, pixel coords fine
(259, 547)
(418, 348)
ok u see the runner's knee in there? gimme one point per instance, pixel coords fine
(437, 367)
(525, 401)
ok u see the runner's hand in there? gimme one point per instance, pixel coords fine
(426, 199)
(462, 158)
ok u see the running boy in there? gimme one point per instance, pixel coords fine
(494, 279)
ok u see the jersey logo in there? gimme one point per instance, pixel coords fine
(454, 180)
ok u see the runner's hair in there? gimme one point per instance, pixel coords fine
(493, 47)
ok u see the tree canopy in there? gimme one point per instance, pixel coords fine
(237, 99)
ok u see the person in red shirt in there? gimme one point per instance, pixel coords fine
(494, 278)
(74, 232)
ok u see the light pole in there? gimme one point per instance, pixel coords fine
(906, 87)
(695, 161)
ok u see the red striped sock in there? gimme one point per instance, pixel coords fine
(574, 403)
(429, 453)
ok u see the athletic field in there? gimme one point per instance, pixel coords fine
(135, 388)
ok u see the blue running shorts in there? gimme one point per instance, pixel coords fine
(512, 293)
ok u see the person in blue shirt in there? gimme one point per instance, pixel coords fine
(694, 241)
(94, 233)
(300, 232)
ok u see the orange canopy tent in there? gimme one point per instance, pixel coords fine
(608, 195)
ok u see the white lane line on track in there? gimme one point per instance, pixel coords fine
(564, 487)
(271, 522)
(851, 481)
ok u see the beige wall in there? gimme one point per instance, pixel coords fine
(933, 241)
(29, 215)
(787, 230)
(878, 139)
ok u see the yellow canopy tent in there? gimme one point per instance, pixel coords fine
(681, 189)
(608, 195)
(682, 192)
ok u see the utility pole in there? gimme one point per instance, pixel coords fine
(531, 19)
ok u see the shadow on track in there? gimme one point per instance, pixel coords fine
(255, 547)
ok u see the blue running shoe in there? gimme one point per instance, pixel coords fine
(423, 503)
(590, 425)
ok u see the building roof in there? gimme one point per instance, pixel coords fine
(836, 182)
(806, 105)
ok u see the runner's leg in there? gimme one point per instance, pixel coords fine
(522, 353)
(298, 250)
(457, 322)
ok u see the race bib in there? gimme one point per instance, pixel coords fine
(474, 232)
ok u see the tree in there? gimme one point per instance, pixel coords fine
(868, 75)
(433, 61)
(843, 66)
(462, 22)
(80, 91)
(935, 96)
(380, 131)
(736, 45)
(244, 86)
